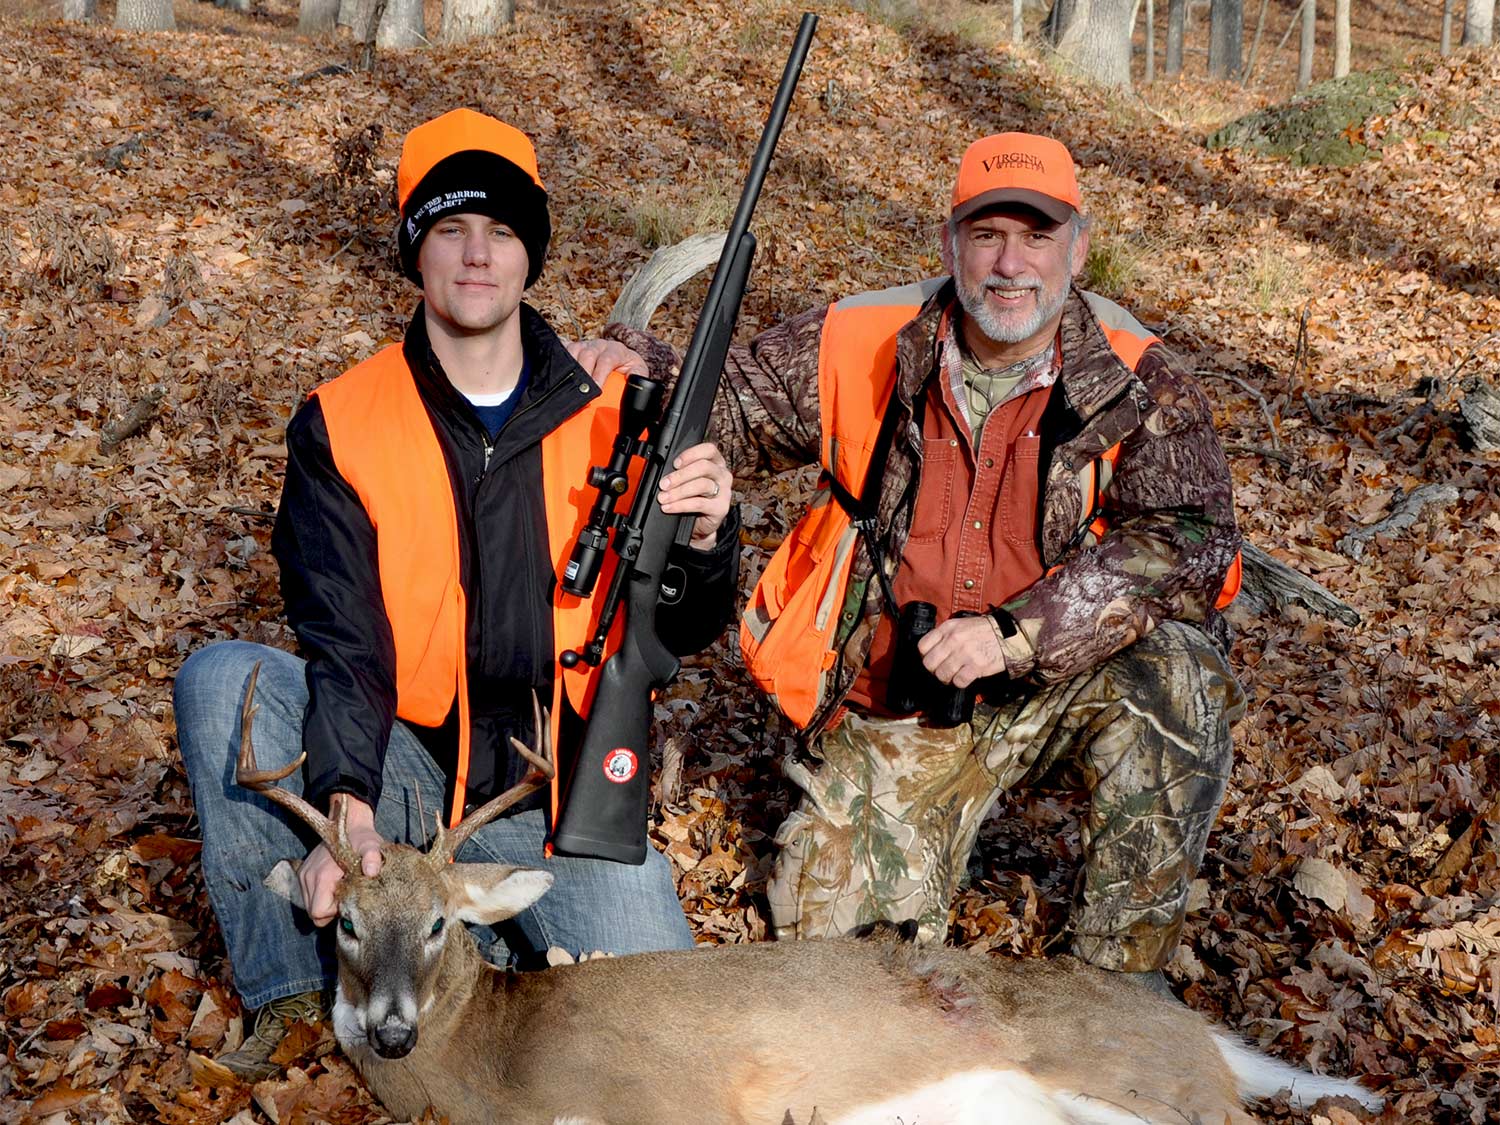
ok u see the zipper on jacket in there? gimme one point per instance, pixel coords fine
(543, 658)
(525, 408)
(489, 444)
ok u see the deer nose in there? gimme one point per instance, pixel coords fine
(393, 1040)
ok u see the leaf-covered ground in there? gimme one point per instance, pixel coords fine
(193, 235)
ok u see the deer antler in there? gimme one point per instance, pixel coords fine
(445, 845)
(251, 776)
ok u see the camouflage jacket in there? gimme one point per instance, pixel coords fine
(1172, 533)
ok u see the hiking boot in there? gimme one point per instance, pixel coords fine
(252, 1061)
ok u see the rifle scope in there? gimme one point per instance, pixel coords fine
(640, 407)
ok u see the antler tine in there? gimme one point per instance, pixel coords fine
(446, 845)
(251, 776)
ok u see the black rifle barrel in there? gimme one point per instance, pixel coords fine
(604, 810)
(743, 211)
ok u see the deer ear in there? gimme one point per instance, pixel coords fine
(492, 892)
(283, 881)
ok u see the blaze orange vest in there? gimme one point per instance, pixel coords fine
(385, 447)
(791, 621)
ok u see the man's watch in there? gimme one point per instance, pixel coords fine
(1004, 622)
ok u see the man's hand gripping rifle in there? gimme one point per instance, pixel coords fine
(604, 809)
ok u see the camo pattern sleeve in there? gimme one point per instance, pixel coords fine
(1172, 536)
(765, 414)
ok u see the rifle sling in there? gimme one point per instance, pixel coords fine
(864, 510)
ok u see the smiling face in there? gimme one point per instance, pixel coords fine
(473, 274)
(1012, 267)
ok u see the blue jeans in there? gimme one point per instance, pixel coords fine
(274, 948)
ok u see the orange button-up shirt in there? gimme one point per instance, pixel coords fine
(973, 541)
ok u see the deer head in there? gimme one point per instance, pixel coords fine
(393, 929)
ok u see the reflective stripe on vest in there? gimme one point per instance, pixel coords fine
(792, 618)
(384, 446)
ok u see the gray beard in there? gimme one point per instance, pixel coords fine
(1002, 332)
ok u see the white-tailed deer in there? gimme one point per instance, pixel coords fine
(856, 1032)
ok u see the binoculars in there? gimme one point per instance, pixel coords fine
(913, 689)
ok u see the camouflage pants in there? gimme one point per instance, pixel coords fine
(891, 813)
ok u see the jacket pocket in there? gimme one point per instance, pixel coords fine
(934, 508)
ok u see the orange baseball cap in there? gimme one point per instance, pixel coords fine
(1017, 168)
(460, 130)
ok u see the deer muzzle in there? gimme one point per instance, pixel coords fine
(394, 1038)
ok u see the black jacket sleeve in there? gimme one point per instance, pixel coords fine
(325, 545)
(699, 590)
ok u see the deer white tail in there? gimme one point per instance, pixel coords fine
(1260, 1076)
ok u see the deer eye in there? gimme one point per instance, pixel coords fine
(347, 926)
(437, 927)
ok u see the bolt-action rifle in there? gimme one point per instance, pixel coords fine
(603, 812)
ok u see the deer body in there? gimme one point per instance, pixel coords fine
(858, 1032)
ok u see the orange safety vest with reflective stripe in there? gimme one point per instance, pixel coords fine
(790, 624)
(385, 447)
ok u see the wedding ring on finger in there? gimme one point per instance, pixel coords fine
(715, 493)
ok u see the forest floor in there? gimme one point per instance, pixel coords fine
(194, 230)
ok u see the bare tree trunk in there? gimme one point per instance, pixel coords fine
(1176, 24)
(1260, 27)
(1226, 38)
(1340, 38)
(145, 15)
(402, 25)
(315, 17)
(1017, 27)
(1479, 23)
(1059, 16)
(1150, 41)
(372, 23)
(1445, 42)
(80, 11)
(400, 21)
(464, 20)
(1308, 45)
(1097, 40)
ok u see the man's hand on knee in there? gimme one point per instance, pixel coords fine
(320, 874)
(962, 650)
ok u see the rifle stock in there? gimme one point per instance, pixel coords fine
(603, 814)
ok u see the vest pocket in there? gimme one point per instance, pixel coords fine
(788, 624)
(934, 508)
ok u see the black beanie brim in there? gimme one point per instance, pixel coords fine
(480, 183)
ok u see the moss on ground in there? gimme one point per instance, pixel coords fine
(1314, 127)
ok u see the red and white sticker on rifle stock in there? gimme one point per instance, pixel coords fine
(620, 765)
